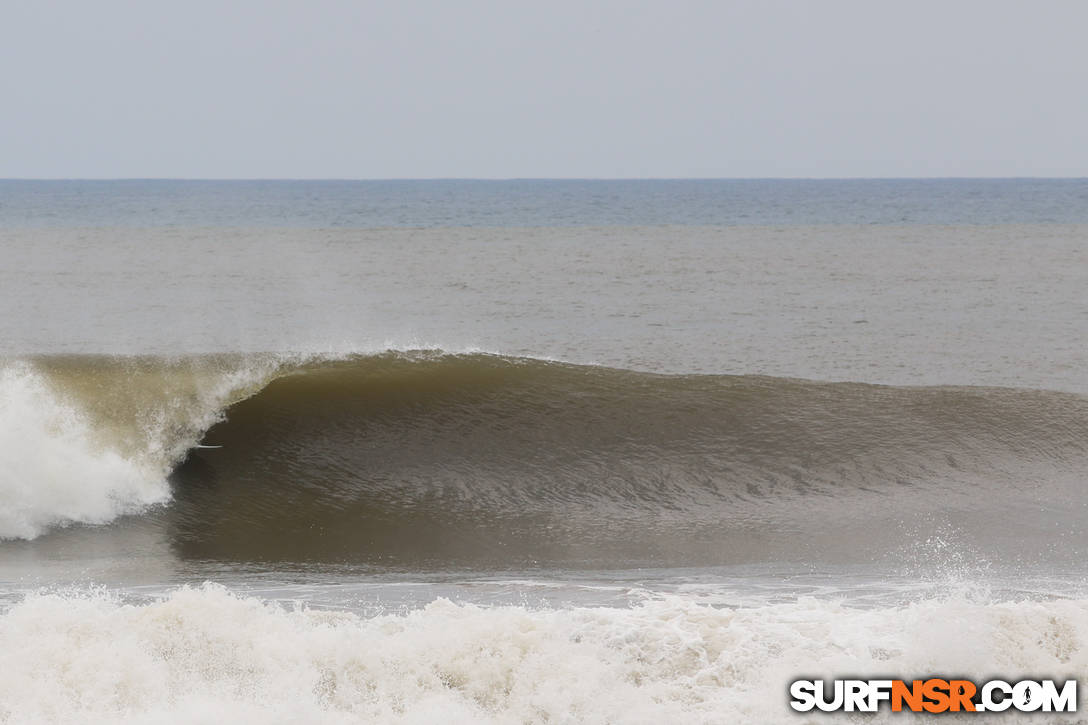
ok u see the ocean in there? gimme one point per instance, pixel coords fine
(536, 451)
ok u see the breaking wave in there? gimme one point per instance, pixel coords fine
(425, 456)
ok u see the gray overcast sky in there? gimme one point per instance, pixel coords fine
(550, 88)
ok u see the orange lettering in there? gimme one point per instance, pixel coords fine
(936, 691)
(911, 695)
(961, 692)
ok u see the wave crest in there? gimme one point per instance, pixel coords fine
(427, 456)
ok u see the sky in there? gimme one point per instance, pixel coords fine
(548, 88)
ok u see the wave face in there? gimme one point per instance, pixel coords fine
(431, 457)
(206, 655)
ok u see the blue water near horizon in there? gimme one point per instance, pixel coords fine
(539, 202)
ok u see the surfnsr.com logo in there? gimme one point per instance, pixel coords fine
(933, 695)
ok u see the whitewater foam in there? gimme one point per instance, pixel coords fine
(209, 655)
(87, 443)
(52, 471)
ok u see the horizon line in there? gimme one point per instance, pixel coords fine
(538, 178)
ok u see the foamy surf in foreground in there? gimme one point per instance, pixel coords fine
(208, 655)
